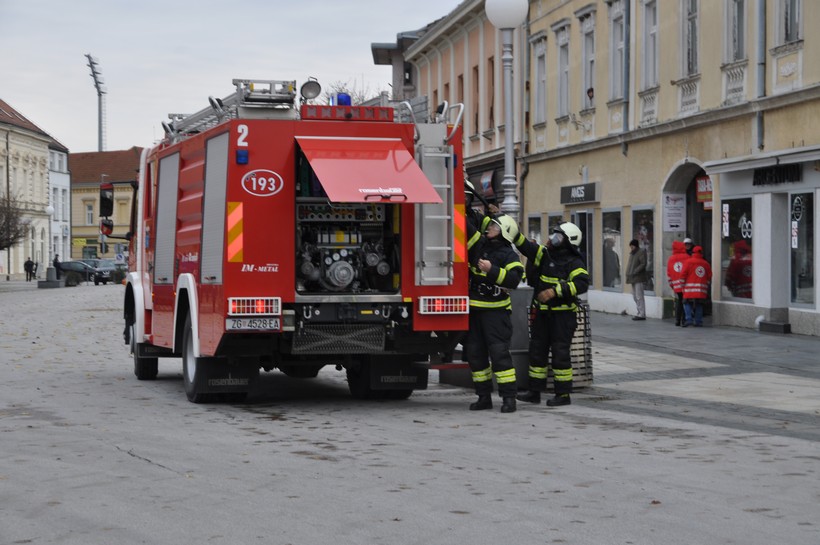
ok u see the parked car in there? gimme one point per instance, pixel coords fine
(86, 271)
(103, 269)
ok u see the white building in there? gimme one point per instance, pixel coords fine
(60, 201)
(24, 161)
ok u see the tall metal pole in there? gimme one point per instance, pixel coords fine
(510, 185)
(96, 74)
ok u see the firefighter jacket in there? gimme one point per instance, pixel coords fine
(490, 290)
(561, 269)
(697, 274)
(674, 267)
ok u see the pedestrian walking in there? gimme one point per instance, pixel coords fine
(56, 265)
(697, 275)
(636, 275)
(561, 278)
(674, 274)
(28, 266)
(495, 269)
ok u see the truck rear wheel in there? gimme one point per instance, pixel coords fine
(144, 368)
(192, 368)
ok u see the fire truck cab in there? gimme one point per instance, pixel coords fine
(270, 235)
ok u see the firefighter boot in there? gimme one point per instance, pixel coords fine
(530, 396)
(508, 405)
(485, 401)
(559, 400)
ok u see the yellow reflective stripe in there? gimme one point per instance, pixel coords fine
(502, 273)
(505, 377)
(483, 376)
(562, 375)
(572, 307)
(576, 272)
(520, 240)
(235, 229)
(504, 303)
(550, 279)
(538, 372)
(539, 255)
(473, 239)
(514, 265)
(558, 291)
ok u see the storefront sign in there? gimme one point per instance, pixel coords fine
(575, 194)
(674, 212)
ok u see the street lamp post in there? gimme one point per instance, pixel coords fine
(96, 75)
(507, 15)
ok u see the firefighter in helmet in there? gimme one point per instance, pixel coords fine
(561, 278)
(494, 270)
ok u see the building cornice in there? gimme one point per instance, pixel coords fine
(690, 122)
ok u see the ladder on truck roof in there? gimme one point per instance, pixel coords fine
(253, 98)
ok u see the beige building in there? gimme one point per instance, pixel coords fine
(88, 171)
(24, 174)
(655, 120)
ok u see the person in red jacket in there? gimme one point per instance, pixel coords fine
(739, 272)
(696, 273)
(674, 274)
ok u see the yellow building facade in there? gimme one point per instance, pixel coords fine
(652, 120)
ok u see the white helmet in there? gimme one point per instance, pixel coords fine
(509, 228)
(571, 231)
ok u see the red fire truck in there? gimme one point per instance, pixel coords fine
(267, 234)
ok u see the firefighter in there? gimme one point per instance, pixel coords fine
(494, 270)
(561, 278)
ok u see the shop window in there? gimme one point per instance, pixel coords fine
(802, 248)
(736, 249)
(613, 250)
(534, 228)
(643, 230)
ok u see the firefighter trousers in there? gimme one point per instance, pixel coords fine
(488, 340)
(551, 331)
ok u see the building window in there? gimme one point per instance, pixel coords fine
(491, 93)
(644, 231)
(650, 44)
(690, 37)
(64, 203)
(89, 213)
(588, 28)
(540, 106)
(562, 36)
(613, 250)
(736, 249)
(534, 228)
(802, 248)
(736, 30)
(476, 101)
(616, 51)
(790, 20)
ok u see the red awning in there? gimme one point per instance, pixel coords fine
(367, 170)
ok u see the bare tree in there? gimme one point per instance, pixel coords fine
(357, 95)
(12, 224)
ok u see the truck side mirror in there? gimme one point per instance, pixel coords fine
(106, 200)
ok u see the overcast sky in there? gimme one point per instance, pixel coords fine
(163, 56)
